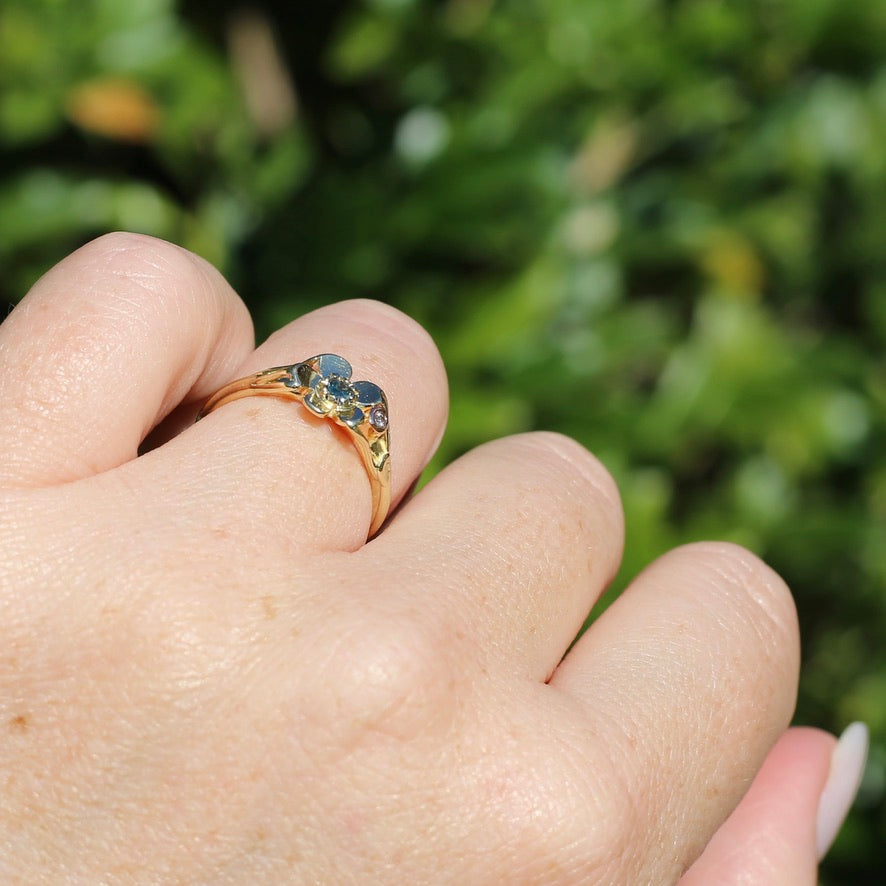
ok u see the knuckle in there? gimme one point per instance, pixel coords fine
(604, 824)
(558, 825)
(567, 465)
(148, 267)
(384, 319)
(752, 611)
(751, 588)
(562, 489)
(158, 289)
(386, 677)
(121, 250)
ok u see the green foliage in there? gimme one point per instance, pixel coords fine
(118, 116)
(655, 226)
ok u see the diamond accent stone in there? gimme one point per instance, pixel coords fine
(378, 417)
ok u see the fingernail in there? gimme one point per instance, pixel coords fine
(847, 765)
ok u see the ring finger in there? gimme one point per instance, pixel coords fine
(270, 468)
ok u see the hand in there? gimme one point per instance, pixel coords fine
(209, 677)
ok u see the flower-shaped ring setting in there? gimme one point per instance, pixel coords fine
(323, 385)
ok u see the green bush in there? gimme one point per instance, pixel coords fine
(655, 226)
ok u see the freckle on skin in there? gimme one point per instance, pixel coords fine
(269, 606)
(19, 723)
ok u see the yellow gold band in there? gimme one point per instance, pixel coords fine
(322, 384)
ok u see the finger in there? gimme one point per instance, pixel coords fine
(691, 676)
(517, 539)
(105, 345)
(269, 466)
(770, 837)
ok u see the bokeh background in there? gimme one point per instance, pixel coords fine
(655, 225)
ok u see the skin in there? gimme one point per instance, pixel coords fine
(208, 676)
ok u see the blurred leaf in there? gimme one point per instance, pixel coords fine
(115, 108)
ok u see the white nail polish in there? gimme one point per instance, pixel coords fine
(847, 765)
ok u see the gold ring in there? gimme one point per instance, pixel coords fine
(323, 384)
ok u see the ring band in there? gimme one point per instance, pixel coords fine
(323, 385)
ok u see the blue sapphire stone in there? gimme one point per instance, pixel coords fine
(335, 394)
(339, 391)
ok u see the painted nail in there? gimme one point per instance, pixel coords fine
(847, 766)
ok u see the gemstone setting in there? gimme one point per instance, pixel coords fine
(328, 391)
(336, 394)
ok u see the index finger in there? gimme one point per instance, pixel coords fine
(104, 346)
